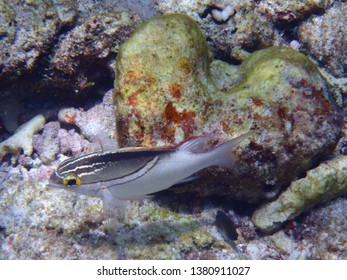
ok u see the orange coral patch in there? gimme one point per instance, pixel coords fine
(133, 99)
(314, 93)
(172, 115)
(184, 119)
(176, 91)
(169, 133)
(257, 101)
(131, 75)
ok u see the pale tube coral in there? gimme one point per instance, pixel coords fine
(325, 182)
(22, 139)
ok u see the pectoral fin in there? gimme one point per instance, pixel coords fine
(115, 211)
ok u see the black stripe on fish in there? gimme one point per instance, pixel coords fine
(134, 175)
(109, 166)
(109, 157)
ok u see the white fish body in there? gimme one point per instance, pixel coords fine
(166, 172)
(134, 173)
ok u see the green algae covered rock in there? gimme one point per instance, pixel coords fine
(166, 92)
(162, 80)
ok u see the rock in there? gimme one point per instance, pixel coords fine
(258, 249)
(58, 49)
(324, 230)
(165, 94)
(287, 12)
(325, 182)
(71, 143)
(283, 243)
(152, 82)
(223, 15)
(247, 27)
(27, 30)
(47, 144)
(325, 39)
(95, 123)
(37, 222)
(40, 223)
(224, 75)
(22, 139)
(252, 24)
(93, 43)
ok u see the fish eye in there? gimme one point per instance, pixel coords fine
(71, 180)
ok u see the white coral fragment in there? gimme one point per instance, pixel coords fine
(223, 15)
(22, 139)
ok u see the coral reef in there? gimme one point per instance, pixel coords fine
(60, 49)
(143, 9)
(283, 242)
(22, 139)
(57, 58)
(149, 88)
(165, 93)
(37, 222)
(66, 48)
(41, 223)
(325, 182)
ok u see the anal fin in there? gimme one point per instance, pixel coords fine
(188, 179)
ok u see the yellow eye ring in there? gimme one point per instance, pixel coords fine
(71, 180)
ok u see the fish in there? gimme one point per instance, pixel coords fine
(138, 172)
(226, 225)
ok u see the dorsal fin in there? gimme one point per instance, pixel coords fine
(196, 144)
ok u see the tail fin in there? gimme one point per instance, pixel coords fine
(223, 155)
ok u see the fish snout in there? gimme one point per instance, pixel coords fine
(55, 182)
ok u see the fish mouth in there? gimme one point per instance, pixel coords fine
(54, 185)
(55, 182)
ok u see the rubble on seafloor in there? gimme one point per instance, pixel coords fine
(298, 131)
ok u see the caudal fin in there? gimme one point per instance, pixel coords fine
(223, 155)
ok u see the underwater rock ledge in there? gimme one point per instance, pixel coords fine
(165, 93)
